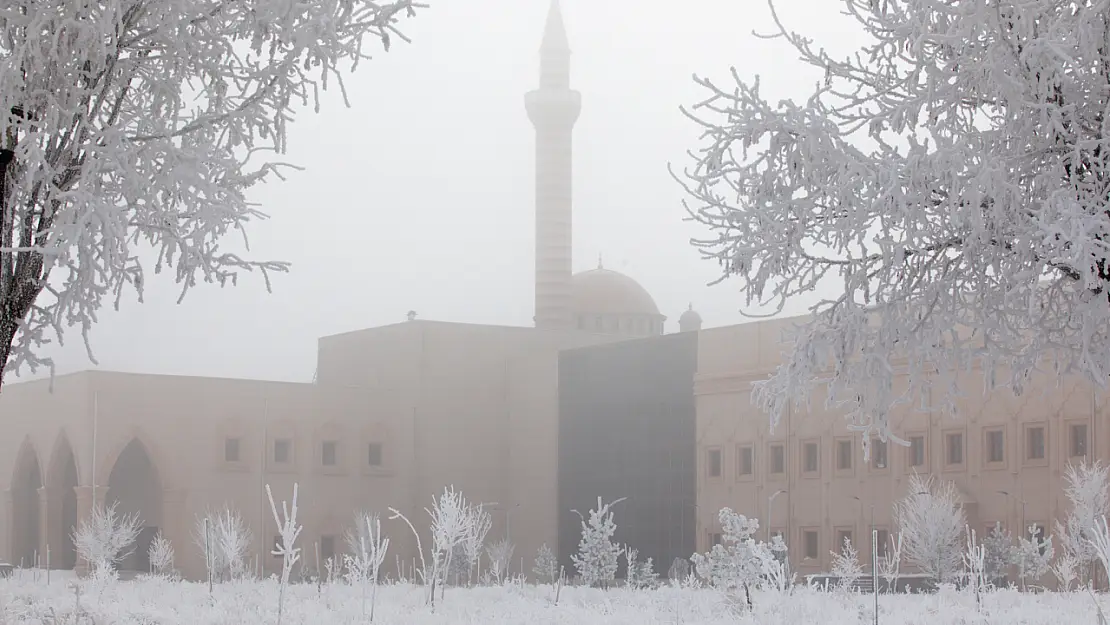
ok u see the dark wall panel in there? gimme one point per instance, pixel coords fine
(626, 429)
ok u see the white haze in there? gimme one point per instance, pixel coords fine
(419, 196)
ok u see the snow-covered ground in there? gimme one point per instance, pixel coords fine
(158, 602)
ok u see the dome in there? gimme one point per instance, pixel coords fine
(609, 302)
(690, 320)
(607, 292)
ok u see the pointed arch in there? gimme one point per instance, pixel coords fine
(26, 526)
(135, 488)
(62, 480)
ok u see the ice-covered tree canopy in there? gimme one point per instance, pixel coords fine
(129, 125)
(950, 180)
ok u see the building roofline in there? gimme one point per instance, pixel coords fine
(92, 374)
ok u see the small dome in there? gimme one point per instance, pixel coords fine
(689, 321)
(607, 292)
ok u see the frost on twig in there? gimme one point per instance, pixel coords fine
(131, 133)
(945, 185)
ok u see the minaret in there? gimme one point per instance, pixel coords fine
(553, 109)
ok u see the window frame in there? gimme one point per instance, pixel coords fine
(946, 437)
(872, 463)
(712, 452)
(771, 447)
(924, 466)
(988, 462)
(839, 532)
(806, 445)
(803, 536)
(882, 546)
(1027, 444)
(381, 455)
(839, 444)
(1070, 442)
(740, 450)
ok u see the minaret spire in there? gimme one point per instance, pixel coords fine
(555, 31)
(553, 110)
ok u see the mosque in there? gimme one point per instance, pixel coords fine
(396, 413)
(535, 423)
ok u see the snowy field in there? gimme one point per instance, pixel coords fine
(160, 602)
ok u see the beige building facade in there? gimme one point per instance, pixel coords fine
(396, 414)
(808, 481)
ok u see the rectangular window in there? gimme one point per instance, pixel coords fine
(745, 461)
(374, 454)
(1077, 440)
(327, 548)
(810, 458)
(878, 454)
(283, 450)
(882, 541)
(812, 546)
(713, 462)
(844, 455)
(329, 453)
(231, 450)
(917, 451)
(954, 448)
(843, 535)
(778, 458)
(714, 539)
(996, 446)
(1034, 446)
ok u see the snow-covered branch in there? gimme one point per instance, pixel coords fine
(948, 182)
(134, 128)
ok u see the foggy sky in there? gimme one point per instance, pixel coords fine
(420, 195)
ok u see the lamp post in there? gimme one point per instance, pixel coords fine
(771, 500)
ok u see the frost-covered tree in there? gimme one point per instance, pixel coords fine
(975, 565)
(288, 532)
(105, 538)
(546, 566)
(161, 555)
(931, 523)
(638, 573)
(846, 566)
(500, 557)
(890, 565)
(680, 570)
(450, 522)
(225, 538)
(739, 562)
(1100, 542)
(1065, 570)
(131, 131)
(367, 550)
(596, 560)
(1033, 556)
(474, 541)
(1087, 486)
(998, 549)
(948, 180)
